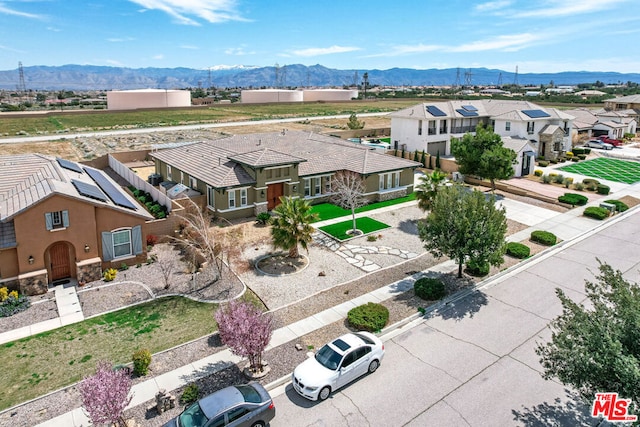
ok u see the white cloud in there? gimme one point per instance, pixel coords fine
(114, 62)
(507, 43)
(557, 8)
(55, 30)
(158, 56)
(186, 12)
(8, 11)
(238, 51)
(188, 46)
(120, 39)
(493, 5)
(317, 51)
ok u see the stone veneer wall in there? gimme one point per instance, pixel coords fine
(34, 285)
(388, 195)
(89, 272)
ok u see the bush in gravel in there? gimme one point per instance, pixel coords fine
(546, 179)
(577, 150)
(537, 172)
(544, 237)
(109, 274)
(620, 206)
(596, 212)
(370, 317)
(189, 394)
(141, 362)
(558, 179)
(543, 163)
(478, 269)
(573, 199)
(603, 189)
(13, 303)
(578, 186)
(429, 289)
(263, 218)
(518, 250)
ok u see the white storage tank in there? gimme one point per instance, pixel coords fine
(260, 96)
(311, 95)
(147, 98)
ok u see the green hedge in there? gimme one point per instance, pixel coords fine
(596, 212)
(429, 289)
(577, 150)
(603, 189)
(620, 206)
(573, 199)
(544, 237)
(478, 269)
(518, 250)
(589, 181)
(370, 317)
(543, 163)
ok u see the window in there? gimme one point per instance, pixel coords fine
(278, 173)
(121, 243)
(169, 177)
(211, 197)
(431, 127)
(419, 127)
(243, 197)
(237, 413)
(390, 180)
(396, 180)
(557, 146)
(307, 187)
(193, 183)
(381, 182)
(232, 198)
(507, 126)
(269, 174)
(493, 124)
(58, 219)
(443, 126)
(317, 186)
(530, 127)
(327, 184)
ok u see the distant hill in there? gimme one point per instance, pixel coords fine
(89, 77)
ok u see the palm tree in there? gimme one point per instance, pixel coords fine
(428, 188)
(292, 225)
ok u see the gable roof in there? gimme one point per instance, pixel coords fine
(29, 179)
(216, 162)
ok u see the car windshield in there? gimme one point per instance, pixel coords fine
(328, 357)
(192, 417)
(249, 393)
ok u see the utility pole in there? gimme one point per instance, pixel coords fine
(365, 83)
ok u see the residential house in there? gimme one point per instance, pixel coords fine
(591, 123)
(431, 126)
(243, 175)
(62, 220)
(525, 154)
(626, 105)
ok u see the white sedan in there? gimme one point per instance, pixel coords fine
(336, 364)
(596, 143)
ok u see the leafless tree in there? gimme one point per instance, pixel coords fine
(166, 266)
(348, 192)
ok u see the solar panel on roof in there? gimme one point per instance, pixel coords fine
(469, 108)
(435, 111)
(466, 113)
(69, 165)
(534, 114)
(89, 190)
(114, 193)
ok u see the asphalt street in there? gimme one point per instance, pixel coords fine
(473, 362)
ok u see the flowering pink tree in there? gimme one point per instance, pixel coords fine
(246, 330)
(105, 394)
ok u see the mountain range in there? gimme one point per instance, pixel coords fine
(90, 77)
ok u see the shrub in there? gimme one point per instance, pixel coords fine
(189, 394)
(141, 362)
(596, 212)
(263, 218)
(372, 238)
(586, 150)
(123, 267)
(620, 206)
(589, 181)
(544, 237)
(558, 179)
(109, 274)
(152, 239)
(370, 317)
(582, 156)
(543, 163)
(573, 199)
(4, 293)
(577, 150)
(567, 182)
(13, 304)
(518, 250)
(603, 189)
(546, 179)
(429, 289)
(575, 159)
(537, 172)
(569, 154)
(553, 161)
(478, 269)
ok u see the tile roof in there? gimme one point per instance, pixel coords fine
(213, 161)
(31, 178)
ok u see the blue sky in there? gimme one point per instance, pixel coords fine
(535, 35)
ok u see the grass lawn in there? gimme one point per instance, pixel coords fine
(611, 169)
(330, 211)
(48, 361)
(366, 225)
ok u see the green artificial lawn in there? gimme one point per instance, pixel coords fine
(329, 211)
(606, 168)
(366, 225)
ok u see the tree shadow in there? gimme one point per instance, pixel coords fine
(572, 412)
(458, 309)
(409, 226)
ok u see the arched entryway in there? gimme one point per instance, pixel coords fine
(59, 256)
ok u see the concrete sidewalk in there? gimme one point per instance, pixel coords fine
(566, 226)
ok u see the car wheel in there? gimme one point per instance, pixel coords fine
(373, 366)
(324, 393)
(257, 424)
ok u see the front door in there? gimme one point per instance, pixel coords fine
(526, 164)
(274, 192)
(59, 254)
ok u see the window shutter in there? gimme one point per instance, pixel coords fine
(136, 239)
(65, 219)
(107, 246)
(48, 220)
